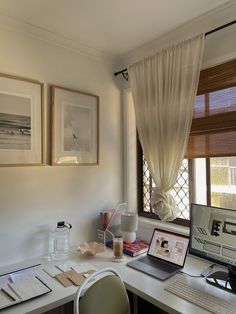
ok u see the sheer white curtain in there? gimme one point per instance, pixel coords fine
(164, 87)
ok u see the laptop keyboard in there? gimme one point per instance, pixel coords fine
(158, 264)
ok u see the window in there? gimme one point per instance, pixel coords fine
(217, 179)
(181, 190)
(223, 182)
(208, 176)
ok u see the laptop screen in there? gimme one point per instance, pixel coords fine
(169, 246)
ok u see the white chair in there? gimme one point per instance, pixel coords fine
(106, 294)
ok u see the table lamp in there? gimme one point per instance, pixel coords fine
(129, 226)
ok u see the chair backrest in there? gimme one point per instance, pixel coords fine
(106, 295)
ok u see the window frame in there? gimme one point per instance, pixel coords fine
(141, 212)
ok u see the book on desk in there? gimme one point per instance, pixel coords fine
(133, 249)
(19, 287)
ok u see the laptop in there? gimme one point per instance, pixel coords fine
(166, 255)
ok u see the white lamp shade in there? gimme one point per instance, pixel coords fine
(129, 222)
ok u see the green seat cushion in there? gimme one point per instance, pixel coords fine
(105, 296)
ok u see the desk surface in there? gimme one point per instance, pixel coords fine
(150, 289)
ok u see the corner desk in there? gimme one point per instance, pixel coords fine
(140, 284)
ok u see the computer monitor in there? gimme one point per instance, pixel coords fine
(213, 237)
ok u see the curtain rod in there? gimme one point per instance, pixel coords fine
(125, 73)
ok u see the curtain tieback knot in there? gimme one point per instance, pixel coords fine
(164, 205)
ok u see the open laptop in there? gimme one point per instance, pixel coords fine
(166, 255)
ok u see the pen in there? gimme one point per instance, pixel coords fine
(15, 292)
(61, 269)
(40, 280)
(19, 270)
(8, 294)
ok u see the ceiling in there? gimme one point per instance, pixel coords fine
(113, 27)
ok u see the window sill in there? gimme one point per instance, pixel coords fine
(146, 226)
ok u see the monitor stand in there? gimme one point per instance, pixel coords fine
(224, 280)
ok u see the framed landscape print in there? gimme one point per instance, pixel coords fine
(75, 127)
(21, 120)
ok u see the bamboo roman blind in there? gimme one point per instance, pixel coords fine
(213, 131)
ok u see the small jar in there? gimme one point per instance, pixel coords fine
(118, 247)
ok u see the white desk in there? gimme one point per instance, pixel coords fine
(144, 286)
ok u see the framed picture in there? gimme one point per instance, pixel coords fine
(21, 120)
(75, 127)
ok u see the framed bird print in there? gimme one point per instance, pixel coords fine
(75, 127)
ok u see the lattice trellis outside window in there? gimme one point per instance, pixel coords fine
(181, 190)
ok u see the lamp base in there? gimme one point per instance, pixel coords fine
(129, 237)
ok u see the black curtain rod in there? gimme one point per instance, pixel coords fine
(125, 73)
(220, 27)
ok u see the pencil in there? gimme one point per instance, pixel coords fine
(15, 292)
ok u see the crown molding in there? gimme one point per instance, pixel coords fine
(20, 26)
(222, 14)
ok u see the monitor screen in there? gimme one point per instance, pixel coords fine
(213, 233)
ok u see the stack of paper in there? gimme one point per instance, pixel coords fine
(29, 288)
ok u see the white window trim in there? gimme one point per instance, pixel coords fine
(130, 154)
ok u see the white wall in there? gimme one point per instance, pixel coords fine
(33, 199)
(219, 46)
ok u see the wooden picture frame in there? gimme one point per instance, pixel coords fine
(75, 127)
(21, 121)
